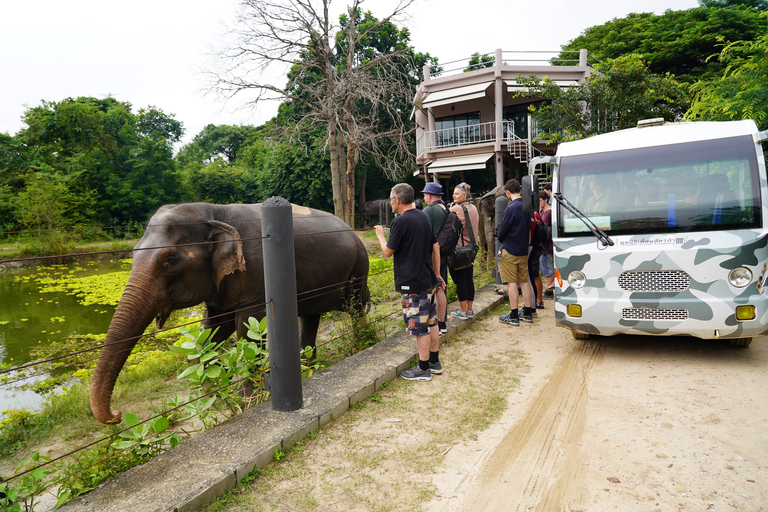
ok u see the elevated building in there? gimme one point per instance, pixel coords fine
(474, 120)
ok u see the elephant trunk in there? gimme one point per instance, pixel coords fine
(134, 312)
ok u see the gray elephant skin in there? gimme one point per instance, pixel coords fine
(375, 212)
(199, 252)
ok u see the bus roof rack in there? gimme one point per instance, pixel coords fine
(657, 121)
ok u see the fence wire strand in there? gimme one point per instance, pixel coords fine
(303, 296)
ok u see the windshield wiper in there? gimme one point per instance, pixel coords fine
(599, 233)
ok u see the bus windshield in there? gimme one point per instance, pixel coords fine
(695, 186)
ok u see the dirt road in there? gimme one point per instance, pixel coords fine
(627, 423)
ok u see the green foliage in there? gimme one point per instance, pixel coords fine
(118, 165)
(740, 93)
(676, 42)
(24, 492)
(47, 205)
(216, 182)
(478, 61)
(222, 142)
(217, 368)
(300, 173)
(620, 92)
(760, 5)
(14, 429)
(146, 439)
(87, 469)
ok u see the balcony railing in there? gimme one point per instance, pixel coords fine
(464, 136)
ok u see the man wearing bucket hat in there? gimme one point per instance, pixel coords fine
(438, 212)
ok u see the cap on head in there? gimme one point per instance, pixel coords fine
(433, 188)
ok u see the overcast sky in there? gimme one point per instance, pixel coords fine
(151, 52)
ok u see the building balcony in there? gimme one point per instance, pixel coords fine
(484, 133)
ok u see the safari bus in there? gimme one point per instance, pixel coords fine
(659, 230)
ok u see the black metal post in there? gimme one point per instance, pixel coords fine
(500, 204)
(282, 308)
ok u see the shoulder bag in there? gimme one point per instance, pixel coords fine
(464, 255)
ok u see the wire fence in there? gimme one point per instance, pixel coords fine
(210, 322)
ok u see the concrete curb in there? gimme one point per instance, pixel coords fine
(203, 468)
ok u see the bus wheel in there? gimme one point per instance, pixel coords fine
(581, 335)
(740, 342)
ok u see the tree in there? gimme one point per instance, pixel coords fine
(760, 5)
(741, 92)
(333, 83)
(478, 61)
(217, 141)
(47, 205)
(100, 146)
(616, 96)
(676, 42)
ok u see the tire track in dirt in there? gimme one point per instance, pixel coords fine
(540, 464)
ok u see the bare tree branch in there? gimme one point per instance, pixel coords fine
(358, 98)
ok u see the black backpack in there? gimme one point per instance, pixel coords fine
(539, 239)
(449, 233)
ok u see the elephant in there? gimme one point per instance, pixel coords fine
(375, 212)
(486, 207)
(199, 252)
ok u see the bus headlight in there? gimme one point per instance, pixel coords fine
(577, 279)
(740, 277)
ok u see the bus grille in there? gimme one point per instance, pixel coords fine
(655, 281)
(654, 314)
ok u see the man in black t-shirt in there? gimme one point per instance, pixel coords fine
(414, 246)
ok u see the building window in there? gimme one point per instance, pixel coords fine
(457, 130)
(517, 114)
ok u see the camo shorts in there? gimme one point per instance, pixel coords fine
(419, 312)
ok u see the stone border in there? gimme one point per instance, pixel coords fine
(204, 467)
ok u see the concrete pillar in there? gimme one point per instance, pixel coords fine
(282, 306)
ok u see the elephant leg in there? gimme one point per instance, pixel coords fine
(308, 332)
(224, 322)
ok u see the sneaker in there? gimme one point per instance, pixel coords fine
(548, 295)
(508, 319)
(527, 317)
(443, 328)
(436, 368)
(539, 305)
(470, 313)
(417, 373)
(459, 314)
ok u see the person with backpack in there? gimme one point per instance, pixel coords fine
(546, 260)
(537, 246)
(463, 277)
(439, 213)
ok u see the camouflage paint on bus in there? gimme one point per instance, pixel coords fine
(710, 299)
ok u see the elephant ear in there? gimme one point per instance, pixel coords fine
(228, 253)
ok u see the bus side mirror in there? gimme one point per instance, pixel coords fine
(530, 192)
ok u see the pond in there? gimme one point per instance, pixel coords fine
(44, 305)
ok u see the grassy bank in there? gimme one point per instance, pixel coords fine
(149, 384)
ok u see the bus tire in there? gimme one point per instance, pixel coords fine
(740, 342)
(581, 335)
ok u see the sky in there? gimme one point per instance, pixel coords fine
(155, 52)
